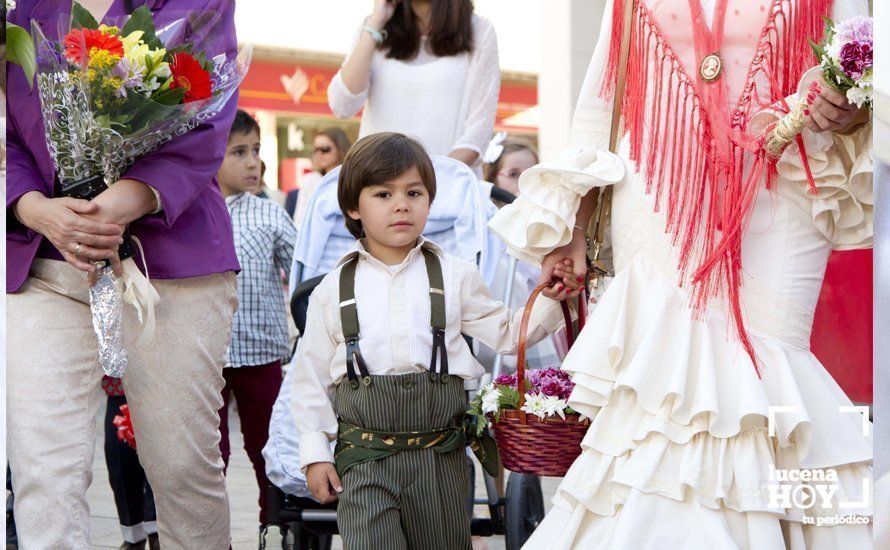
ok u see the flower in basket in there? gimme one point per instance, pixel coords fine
(546, 395)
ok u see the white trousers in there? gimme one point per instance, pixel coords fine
(173, 390)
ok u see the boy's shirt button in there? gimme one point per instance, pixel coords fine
(407, 383)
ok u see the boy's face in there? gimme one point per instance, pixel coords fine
(240, 169)
(394, 213)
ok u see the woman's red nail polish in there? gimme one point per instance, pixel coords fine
(580, 279)
(806, 112)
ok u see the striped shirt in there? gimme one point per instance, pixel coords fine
(264, 241)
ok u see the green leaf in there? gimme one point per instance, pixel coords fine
(20, 50)
(173, 96)
(81, 18)
(141, 20)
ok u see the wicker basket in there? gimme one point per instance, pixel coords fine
(526, 443)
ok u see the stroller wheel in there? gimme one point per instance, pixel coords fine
(524, 509)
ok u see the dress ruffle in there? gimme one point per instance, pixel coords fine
(680, 427)
(841, 164)
(543, 216)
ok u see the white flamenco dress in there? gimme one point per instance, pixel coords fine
(679, 454)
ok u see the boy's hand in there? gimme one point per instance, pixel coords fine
(323, 481)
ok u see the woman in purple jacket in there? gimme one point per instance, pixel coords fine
(172, 203)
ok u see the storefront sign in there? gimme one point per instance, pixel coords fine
(300, 88)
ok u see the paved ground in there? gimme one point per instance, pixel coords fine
(243, 497)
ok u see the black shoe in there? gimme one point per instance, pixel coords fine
(153, 542)
(133, 545)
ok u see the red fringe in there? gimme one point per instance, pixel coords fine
(696, 162)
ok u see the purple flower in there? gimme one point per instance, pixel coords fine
(855, 29)
(506, 380)
(122, 70)
(856, 57)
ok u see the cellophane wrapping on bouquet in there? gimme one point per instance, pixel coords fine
(111, 94)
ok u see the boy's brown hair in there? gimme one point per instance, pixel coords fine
(377, 159)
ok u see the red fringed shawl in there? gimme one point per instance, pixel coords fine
(696, 154)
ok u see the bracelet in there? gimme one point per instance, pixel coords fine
(159, 206)
(378, 36)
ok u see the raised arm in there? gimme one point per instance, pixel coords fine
(349, 88)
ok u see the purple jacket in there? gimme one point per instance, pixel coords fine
(192, 236)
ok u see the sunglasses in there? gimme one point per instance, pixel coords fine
(324, 149)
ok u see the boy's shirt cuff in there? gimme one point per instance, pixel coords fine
(314, 447)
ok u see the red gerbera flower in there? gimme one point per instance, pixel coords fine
(189, 74)
(80, 42)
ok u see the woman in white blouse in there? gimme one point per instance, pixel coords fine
(427, 68)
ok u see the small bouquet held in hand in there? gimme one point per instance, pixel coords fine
(111, 94)
(546, 395)
(846, 58)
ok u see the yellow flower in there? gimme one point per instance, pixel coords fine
(131, 39)
(102, 59)
(110, 29)
(137, 54)
(112, 83)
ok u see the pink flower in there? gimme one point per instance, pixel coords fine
(856, 57)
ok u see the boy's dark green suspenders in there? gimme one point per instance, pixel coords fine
(349, 321)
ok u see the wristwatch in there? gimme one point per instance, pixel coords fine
(378, 35)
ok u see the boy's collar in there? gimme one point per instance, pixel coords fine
(359, 250)
(232, 198)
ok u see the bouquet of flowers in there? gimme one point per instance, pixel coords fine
(110, 94)
(546, 395)
(846, 57)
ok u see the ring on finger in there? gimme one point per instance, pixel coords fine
(77, 248)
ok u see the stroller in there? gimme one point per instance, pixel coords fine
(457, 223)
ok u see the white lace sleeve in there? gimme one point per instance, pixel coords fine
(343, 102)
(593, 114)
(482, 89)
(543, 217)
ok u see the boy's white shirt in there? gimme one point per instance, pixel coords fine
(394, 318)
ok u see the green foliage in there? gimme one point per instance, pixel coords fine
(20, 50)
(81, 18)
(141, 20)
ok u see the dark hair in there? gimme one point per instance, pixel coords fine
(490, 171)
(244, 124)
(450, 33)
(377, 159)
(340, 139)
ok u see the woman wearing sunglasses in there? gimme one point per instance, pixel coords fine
(329, 147)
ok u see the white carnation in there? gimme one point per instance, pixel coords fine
(544, 406)
(490, 400)
(10, 5)
(858, 96)
(833, 49)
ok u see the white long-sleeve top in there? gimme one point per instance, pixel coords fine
(447, 103)
(394, 318)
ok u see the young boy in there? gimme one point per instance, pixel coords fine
(264, 242)
(382, 360)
